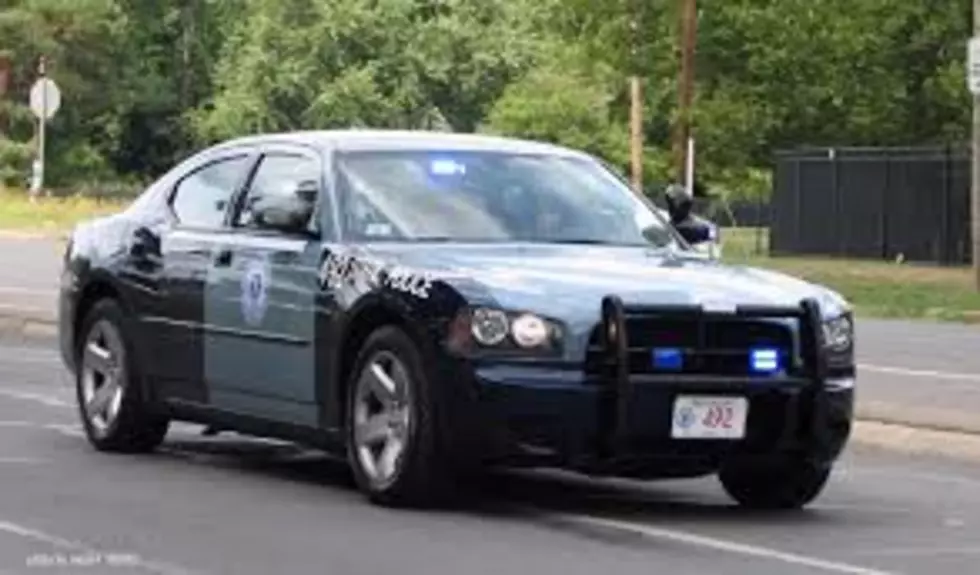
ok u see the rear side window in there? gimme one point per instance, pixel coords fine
(201, 199)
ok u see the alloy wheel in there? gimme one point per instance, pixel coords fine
(382, 417)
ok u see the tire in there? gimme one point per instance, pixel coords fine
(786, 486)
(122, 421)
(418, 475)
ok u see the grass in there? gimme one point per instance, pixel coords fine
(50, 215)
(875, 288)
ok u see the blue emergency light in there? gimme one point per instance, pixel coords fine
(764, 360)
(446, 167)
(668, 358)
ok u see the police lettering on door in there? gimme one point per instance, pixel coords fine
(255, 290)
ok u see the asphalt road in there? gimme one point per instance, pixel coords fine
(229, 505)
(29, 271)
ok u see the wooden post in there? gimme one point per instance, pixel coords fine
(685, 86)
(975, 169)
(636, 104)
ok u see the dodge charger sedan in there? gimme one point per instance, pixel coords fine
(429, 305)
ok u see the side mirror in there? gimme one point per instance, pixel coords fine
(697, 230)
(290, 212)
(702, 235)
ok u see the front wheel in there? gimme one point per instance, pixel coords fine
(779, 486)
(392, 441)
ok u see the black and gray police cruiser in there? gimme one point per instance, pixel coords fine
(428, 304)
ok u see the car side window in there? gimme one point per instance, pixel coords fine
(201, 199)
(280, 175)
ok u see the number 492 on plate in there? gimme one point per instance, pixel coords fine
(703, 417)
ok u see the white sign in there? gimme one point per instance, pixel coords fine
(45, 98)
(973, 66)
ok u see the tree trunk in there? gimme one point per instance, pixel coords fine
(5, 65)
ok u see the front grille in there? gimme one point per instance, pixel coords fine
(710, 345)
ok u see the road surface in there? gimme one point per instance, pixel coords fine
(235, 506)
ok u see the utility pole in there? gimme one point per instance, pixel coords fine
(975, 155)
(685, 87)
(636, 103)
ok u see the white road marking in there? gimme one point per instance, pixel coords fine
(28, 313)
(902, 371)
(948, 479)
(726, 546)
(65, 544)
(48, 400)
(10, 423)
(69, 429)
(35, 358)
(924, 551)
(20, 460)
(26, 290)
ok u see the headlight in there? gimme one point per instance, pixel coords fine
(489, 326)
(499, 329)
(529, 330)
(838, 333)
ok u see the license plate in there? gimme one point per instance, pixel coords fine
(702, 417)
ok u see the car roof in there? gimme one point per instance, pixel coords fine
(375, 139)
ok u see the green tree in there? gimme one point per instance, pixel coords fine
(78, 37)
(392, 63)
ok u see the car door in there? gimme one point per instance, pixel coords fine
(260, 301)
(199, 203)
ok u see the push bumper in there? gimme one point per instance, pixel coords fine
(620, 422)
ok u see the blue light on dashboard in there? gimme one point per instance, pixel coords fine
(668, 358)
(764, 360)
(446, 167)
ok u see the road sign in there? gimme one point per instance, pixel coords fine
(45, 98)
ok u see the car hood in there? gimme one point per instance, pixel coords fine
(568, 282)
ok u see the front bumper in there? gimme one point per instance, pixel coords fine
(620, 423)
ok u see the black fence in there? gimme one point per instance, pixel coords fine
(877, 203)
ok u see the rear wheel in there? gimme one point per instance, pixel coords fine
(779, 486)
(392, 442)
(114, 412)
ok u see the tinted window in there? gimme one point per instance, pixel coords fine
(491, 197)
(280, 175)
(202, 198)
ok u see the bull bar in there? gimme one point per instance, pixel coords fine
(618, 385)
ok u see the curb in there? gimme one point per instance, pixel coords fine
(916, 440)
(28, 325)
(926, 418)
(33, 235)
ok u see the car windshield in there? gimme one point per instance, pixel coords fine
(480, 196)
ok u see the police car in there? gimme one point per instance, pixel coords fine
(428, 305)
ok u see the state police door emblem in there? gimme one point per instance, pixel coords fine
(255, 290)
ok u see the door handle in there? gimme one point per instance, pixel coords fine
(223, 258)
